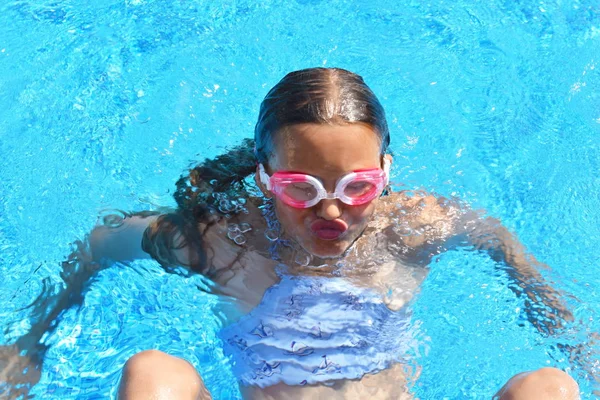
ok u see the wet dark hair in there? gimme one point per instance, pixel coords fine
(322, 96)
(314, 95)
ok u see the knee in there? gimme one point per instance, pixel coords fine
(543, 384)
(153, 374)
(150, 361)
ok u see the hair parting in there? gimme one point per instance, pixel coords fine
(313, 95)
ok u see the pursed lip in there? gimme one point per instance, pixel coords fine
(328, 230)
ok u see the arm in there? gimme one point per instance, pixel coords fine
(123, 238)
(118, 242)
(544, 306)
(430, 225)
(173, 239)
(119, 238)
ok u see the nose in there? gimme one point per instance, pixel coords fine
(329, 209)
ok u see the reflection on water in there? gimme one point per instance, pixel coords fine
(119, 101)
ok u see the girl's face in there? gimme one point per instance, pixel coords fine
(326, 152)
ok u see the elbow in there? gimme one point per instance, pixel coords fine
(123, 243)
(97, 239)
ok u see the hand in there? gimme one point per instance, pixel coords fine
(545, 310)
(18, 373)
(79, 259)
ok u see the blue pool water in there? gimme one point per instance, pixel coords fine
(104, 104)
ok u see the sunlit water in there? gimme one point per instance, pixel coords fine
(104, 104)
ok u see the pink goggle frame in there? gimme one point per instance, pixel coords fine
(303, 191)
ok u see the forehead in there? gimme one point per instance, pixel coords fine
(326, 150)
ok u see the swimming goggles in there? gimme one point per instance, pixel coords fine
(303, 191)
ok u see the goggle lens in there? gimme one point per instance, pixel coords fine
(305, 194)
(300, 191)
(359, 189)
(304, 191)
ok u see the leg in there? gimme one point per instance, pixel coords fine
(155, 375)
(543, 384)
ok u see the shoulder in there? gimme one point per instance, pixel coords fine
(420, 206)
(417, 218)
(206, 245)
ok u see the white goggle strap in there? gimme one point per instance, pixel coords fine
(386, 169)
(264, 178)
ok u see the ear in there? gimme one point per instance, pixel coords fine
(259, 183)
(389, 158)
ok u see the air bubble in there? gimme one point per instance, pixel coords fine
(403, 229)
(302, 258)
(232, 234)
(233, 227)
(226, 206)
(112, 218)
(409, 194)
(240, 240)
(245, 227)
(243, 209)
(272, 235)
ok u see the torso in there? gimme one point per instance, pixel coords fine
(390, 258)
(392, 253)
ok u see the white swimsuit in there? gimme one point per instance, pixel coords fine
(310, 330)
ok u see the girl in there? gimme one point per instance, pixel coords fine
(320, 261)
(321, 164)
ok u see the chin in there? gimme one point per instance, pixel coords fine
(328, 249)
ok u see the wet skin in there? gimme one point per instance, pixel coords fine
(326, 152)
(411, 228)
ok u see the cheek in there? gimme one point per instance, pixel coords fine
(290, 218)
(360, 214)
